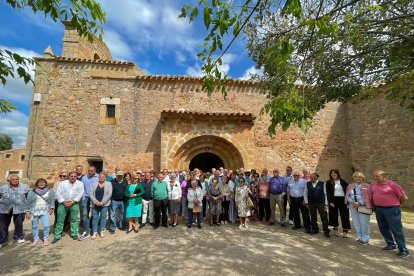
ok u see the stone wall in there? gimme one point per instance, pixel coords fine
(65, 128)
(75, 46)
(382, 137)
(11, 162)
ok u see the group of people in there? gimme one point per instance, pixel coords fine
(133, 200)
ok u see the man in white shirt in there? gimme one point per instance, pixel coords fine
(69, 193)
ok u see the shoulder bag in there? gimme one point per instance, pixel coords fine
(362, 209)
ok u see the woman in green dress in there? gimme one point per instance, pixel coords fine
(133, 193)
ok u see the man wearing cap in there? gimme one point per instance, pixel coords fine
(119, 185)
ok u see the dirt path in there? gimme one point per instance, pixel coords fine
(259, 250)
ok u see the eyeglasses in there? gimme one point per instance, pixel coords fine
(241, 181)
(276, 171)
(63, 175)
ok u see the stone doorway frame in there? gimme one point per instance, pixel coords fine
(185, 134)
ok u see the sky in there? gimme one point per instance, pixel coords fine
(148, 33)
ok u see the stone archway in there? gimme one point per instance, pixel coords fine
(215, 145)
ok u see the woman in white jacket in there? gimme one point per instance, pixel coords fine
(41, 202)
(195, 203)
(174, 199)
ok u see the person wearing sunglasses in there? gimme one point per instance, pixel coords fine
(241, 195)
(62, 176)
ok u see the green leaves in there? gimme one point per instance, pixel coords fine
(332, 50)
(293, 7)
(207, 17)
(6, 106)
(86, 17)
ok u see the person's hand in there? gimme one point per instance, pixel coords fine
(27, 215)
(51, 210)
(307, 205)
(326, 208)
(331, 204)
(356, 205)
(67, 204)
(133, 195)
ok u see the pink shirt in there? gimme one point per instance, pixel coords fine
(387, 194)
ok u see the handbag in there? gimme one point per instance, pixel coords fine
(249, 202)
(362, 209)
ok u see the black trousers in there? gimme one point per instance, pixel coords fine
(204, 206)
(297, 207)
(264, 208)
(160, 208)
(320, 208)
(225, 207)
(5, 220)
(343, 212)
(285, 198)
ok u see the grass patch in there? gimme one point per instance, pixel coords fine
(407, 215)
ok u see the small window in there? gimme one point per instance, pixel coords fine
(22, 157)
(110, 111)
(8, 155)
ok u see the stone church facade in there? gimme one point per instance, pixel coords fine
(90, 109)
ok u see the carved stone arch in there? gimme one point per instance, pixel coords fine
(182, 153)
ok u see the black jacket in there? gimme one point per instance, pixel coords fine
(330, 189)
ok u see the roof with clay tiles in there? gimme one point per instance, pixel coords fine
(244, 115)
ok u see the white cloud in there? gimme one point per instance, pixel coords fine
(251, 71)
(15, 89)
(152, 25)
(224, 68)
(15, 124)
(119, 49)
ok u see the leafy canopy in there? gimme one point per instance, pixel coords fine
(6, 142)
(312, 51)
(86, 17)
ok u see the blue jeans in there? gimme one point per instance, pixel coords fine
(361, 224)
(86, 206)
(190, 217)
(99, 214)
(115, 206)
(390, 226)
(35, 227)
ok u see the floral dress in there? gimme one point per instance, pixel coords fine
(241, 194)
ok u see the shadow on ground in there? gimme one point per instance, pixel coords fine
(259, 250)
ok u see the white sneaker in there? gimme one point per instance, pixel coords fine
(245, 226)
(102, 234)
(20, 241)
(84, 236)
(1, 245)
(291, 222)
(241, 226)
(93, 236)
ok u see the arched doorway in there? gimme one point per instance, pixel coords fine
(206, 144)
(205, 161)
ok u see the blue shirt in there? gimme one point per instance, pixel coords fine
(88, 182)
(277, 185)
(360, 199)
(14, 198)
(295, 188)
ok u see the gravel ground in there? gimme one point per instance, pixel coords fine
(259, 250)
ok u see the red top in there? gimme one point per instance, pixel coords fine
(387, 194)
